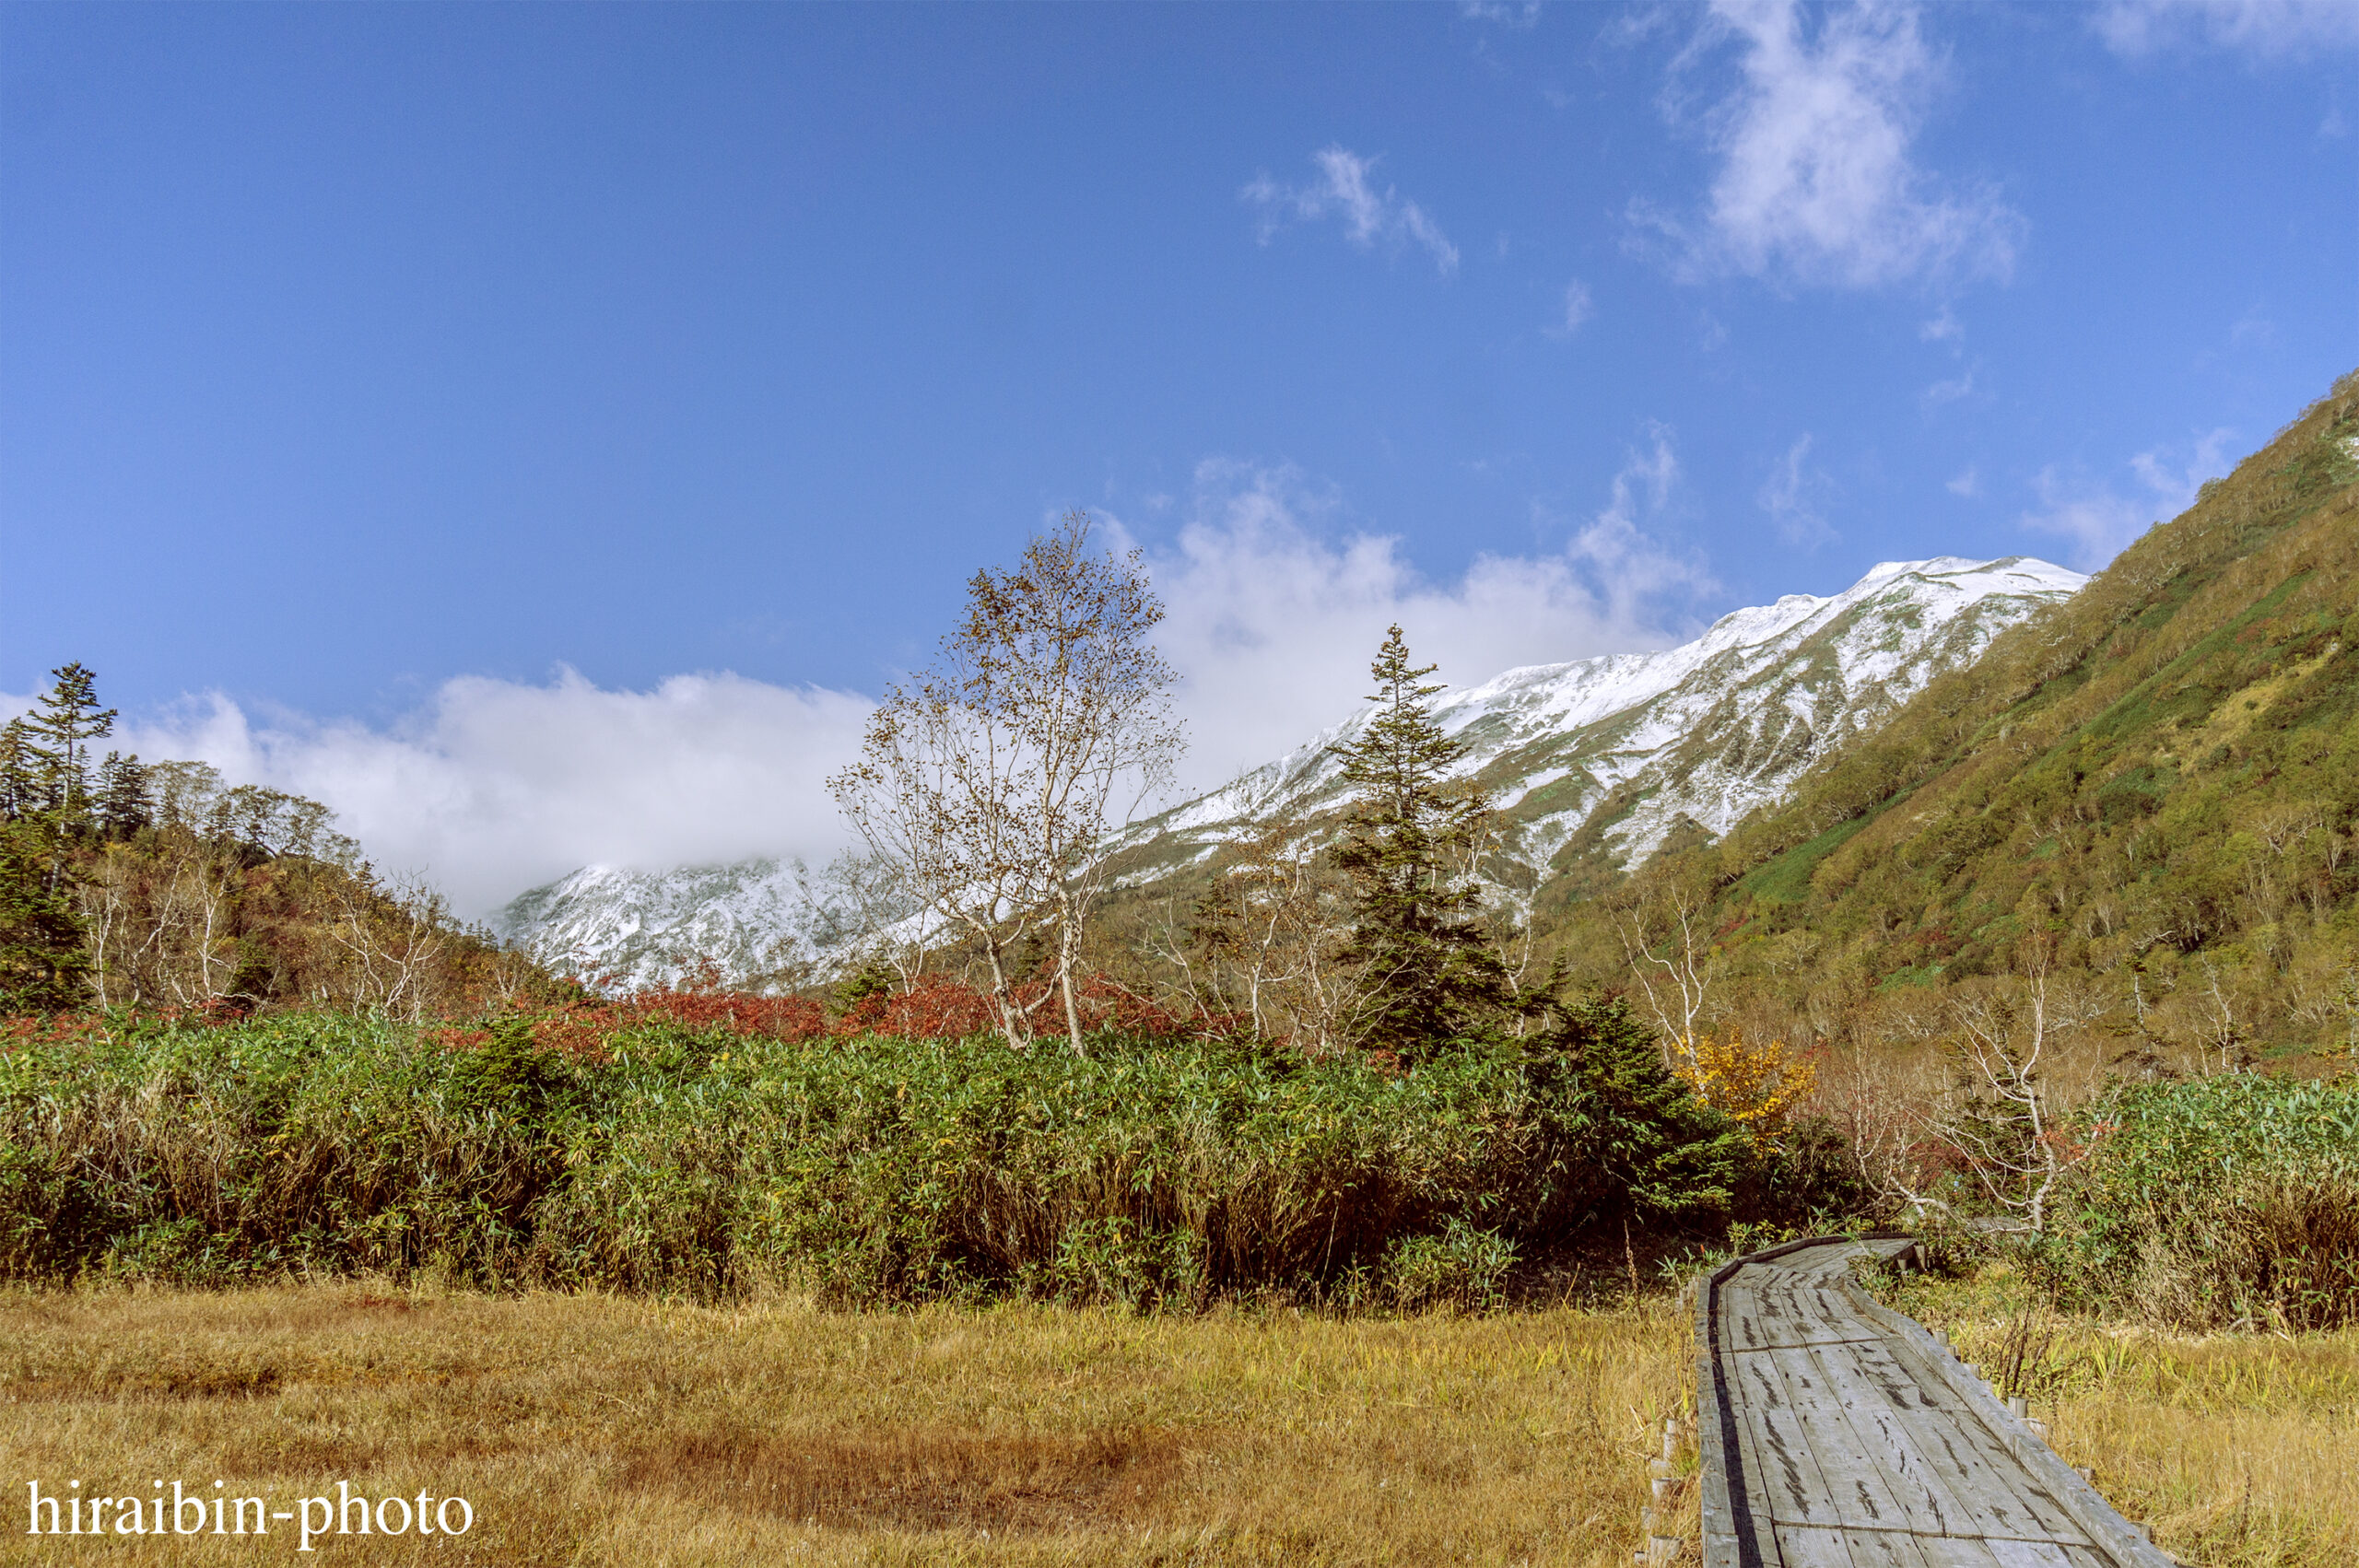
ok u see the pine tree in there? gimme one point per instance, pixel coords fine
(123, 804)
(17, 796)
(1409, 836)
(67, 719)
(41, 959)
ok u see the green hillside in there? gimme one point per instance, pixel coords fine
(2149, 789)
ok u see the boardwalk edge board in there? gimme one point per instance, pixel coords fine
(1737, 1531)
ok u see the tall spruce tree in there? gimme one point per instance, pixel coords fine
(64, 720)
(17, 798)
(1410, 837)
(122, 805)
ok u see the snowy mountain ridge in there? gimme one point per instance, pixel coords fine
(1605, 757)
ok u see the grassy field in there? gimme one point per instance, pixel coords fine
(594, 1429)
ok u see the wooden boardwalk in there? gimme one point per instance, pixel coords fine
(1836, 1433)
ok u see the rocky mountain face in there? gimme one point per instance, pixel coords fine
(1610, 756)
(759, 920)
(1602, 757)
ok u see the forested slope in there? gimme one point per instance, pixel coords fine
(2149, 789)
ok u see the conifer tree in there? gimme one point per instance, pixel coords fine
(17, 793)
(123, 807)
(65, 720)
(1410, 837)
(41, 960)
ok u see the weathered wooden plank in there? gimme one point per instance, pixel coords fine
(1789, 1487)
(1872, 1428)
(1956, 1552)
(1887, 1549)
(1843, 1447)
(1943, 1478)
(1808, 1546)
(2003, 1498)
(1752, 1533)
(2038, 1554)
(1857, 1492)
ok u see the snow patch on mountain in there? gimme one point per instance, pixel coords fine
(1621, 750)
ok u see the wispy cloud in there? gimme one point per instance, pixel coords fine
(1578, 308)
(1506, 12)
(1818, 182)
(1950, 389)
(1967, 484)
(2100, 519)
(2268, 29)
(1790, 498)
(1344, 190)
(496, 785)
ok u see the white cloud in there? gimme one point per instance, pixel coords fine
(1789, 496)
(1343, 191)
(1273, 613)
(1818, 183)
(1950, 390)
(1520, 14)
(2268, 29)
(2100, 520)
(1578, 308)
(1943, 328)
(494, 786)
(1967, 484)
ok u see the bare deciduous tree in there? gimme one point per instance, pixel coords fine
(994, 778)
(1271, 932)
(1670, 957)
(2000, 1116)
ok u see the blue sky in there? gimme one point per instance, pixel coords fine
(446, 410)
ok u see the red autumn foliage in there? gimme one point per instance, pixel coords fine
(936, 1007)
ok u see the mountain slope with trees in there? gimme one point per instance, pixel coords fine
(2151, 788)
(158, 886)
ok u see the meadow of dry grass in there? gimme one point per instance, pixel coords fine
(2240, 1449)
(598, 1430)
(591, 1429)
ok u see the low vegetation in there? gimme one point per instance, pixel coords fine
(630, 1149)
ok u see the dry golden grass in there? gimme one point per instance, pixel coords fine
(589, 1429)
(2242, 1450)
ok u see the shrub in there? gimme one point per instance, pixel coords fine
(2217, 1201)
(630, 1147)
(1462, 1267)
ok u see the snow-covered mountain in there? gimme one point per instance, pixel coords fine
(1607, 757)
(761, 920)
(1619, 751)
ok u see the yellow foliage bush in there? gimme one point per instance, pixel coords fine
(1756, 1086)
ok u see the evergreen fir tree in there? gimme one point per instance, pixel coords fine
(16, 792)
(1409, 840)
(67, 719)
(122, 806)
(41, 959)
